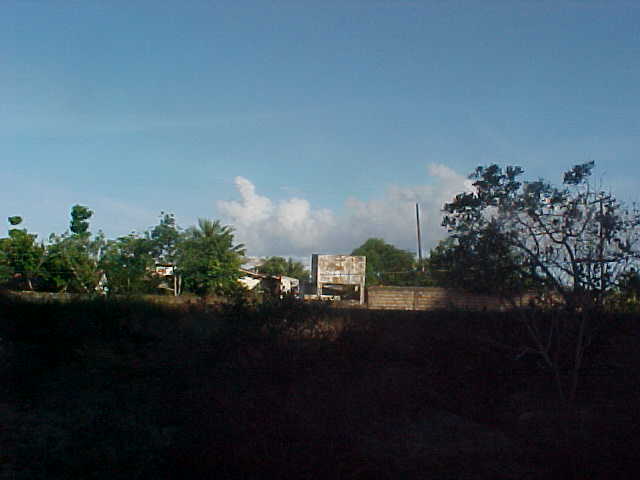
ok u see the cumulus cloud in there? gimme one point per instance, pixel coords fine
(289, 227)
(292, 227)
(253, 208)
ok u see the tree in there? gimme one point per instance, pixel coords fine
(15, 220)
(573, 240)
(283, 266)
(126, 263)
(164, 239)
(481, 263)
(79, 216)
(21, 258)
(72, 258)
(208, 260)
(386, 264)
(627, 296)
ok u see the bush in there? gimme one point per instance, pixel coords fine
(125, 388)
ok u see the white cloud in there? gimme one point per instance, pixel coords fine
(293, 227)
(253, 208)
(288, 228)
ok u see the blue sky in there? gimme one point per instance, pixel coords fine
(309, 126)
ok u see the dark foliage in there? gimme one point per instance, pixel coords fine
(134, 389)
(386, 264)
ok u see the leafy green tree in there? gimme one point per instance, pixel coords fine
(21, 257)
(126, 263)
(284, 266)
(574, 239)
(79, 216)
(15, 220)
(6, 272)
(208, 259)
(164, 239)
(386, 264)
(72, 263)
(481, 262)
(72, 258)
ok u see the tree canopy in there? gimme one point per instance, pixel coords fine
(205, 256)
(72, 258)
(209, 259)
(483, 263)
(386, 264)
(575, 239)
(79, 216)
(127, 262)
(164, 239)
(21, 257)
(284, 266)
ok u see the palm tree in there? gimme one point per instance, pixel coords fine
(208, 257)
(214, 230)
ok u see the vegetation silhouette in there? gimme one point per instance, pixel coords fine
(109, 388)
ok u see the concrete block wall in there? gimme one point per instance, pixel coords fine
(429, 298)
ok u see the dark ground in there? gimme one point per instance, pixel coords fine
(130, 389)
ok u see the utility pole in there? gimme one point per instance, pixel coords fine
(419, 239)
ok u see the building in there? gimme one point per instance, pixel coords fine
(277, 285)
(339, 273)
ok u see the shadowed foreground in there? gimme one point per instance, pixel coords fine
(130, 389)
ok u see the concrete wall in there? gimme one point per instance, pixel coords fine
(429, 298)
(338, 270)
